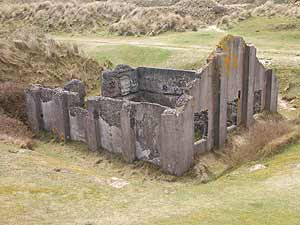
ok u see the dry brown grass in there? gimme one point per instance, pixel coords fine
(124, 17)
(71, 16)
(15, 132)
(263, 139)
(28, 56)
(152, 21)
(269, 9)
(12, 100)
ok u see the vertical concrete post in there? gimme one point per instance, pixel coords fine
(210, 106)
(240, 72)
(271, 91)
(78, 87)
(177, 138)
(248, 85)
(62, 121)
(223, 95)
(92, 125)
(33, 108)
(128, 132)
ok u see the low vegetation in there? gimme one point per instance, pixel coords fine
(269, 9)
(13, 131)
(28, 57)
(264, 139)
(123, 18)
(151, 22)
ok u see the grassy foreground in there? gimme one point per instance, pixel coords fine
(68, 185)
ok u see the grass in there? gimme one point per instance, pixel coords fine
(43, 195)
(148, 56)
(132, 55)
(263, 32)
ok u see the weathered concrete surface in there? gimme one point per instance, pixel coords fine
(163, 99)
(33, 108)
(128, 127)
(163, 116)
(77, 117)
(78, 87)
(147, 125)
(110, 124)
(271, 91)
(120, 82)
(92, 124)
(223, 97)
(248, 85)
(177, 138)
(164, 81)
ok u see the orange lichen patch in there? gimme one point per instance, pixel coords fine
(235, 60)
(231, 60)
(227, 62)
(223, 44)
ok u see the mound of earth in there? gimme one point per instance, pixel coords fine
(28, 57)
(66, 17)
(152, 21)
(123, 17)
(269, 9)
(207, 11)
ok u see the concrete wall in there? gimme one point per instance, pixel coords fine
(147, 125)
(177, 138)
(77, 116)
(150, 114)
(120, 82)
(161, 86)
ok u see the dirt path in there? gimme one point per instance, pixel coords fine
(271, 56)
(141, 43)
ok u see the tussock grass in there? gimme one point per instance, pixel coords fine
(12, 101)
(152, 21)
(124, 18)
(67, 17)
(269, 9)
(15, 132)
(28, 56)
(269, 134)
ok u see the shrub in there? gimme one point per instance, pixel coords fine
(252, 144)
(12, 100)
(15, 132)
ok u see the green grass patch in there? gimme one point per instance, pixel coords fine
(149, 56)
(269, 32)
(131, 55)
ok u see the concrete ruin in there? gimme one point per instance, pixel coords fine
(162, 116)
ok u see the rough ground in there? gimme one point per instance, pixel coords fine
(68, 185)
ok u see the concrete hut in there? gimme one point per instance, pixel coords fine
(163, 116)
